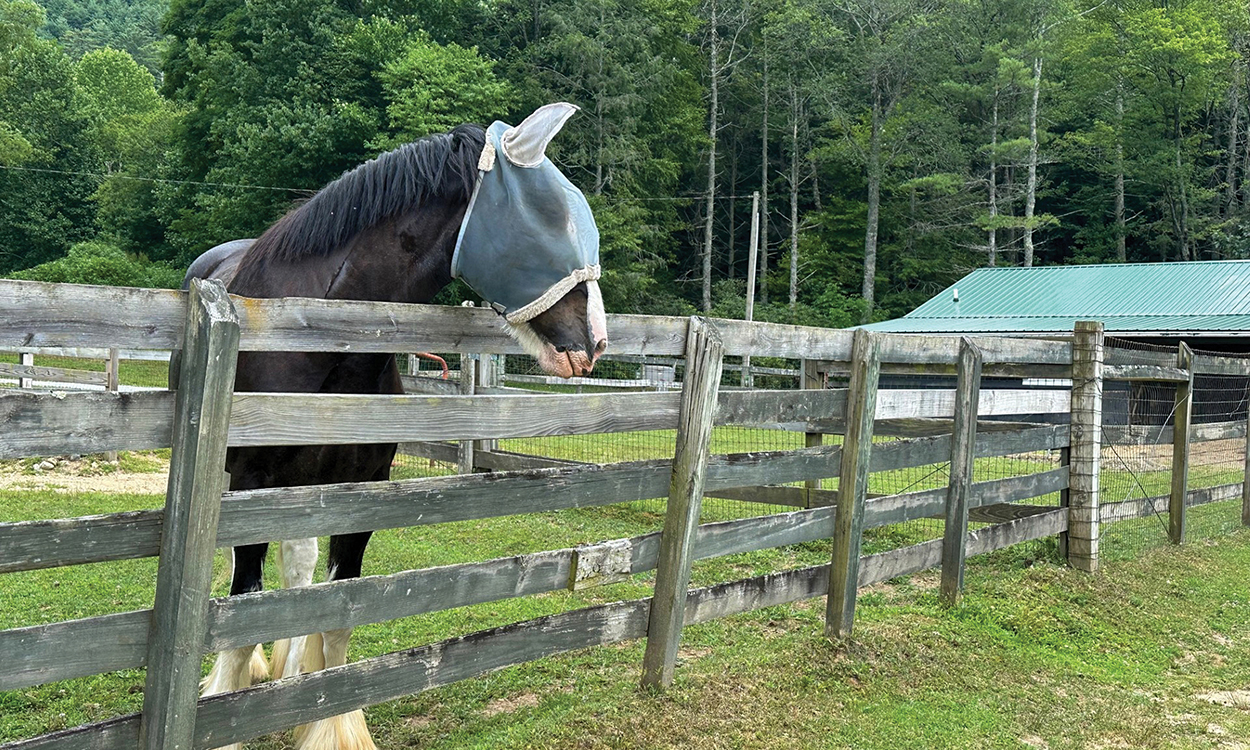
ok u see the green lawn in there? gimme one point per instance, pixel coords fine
(132, 372)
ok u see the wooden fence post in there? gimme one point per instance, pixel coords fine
(1182, 416)
(963, 461)
(861, 410)
(197, 479)
(704, 361)
(468, 387)
(1085, 449)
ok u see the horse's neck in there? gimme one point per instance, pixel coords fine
(407, 259)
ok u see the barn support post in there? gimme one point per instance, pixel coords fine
(1182, 417)
(861, 410)
(468, 387)
(1086, 446)
(704, 362)
(189, 529)
(963, 459)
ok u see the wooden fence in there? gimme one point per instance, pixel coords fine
(204, 416)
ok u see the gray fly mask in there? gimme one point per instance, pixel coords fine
(528, 236)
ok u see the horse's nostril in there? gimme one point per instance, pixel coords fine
(562, 349)
(601, 347)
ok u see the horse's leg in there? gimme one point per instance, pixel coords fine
(296, 560)
(347, 731)
(232, 670)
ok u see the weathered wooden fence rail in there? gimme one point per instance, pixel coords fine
(41, 424)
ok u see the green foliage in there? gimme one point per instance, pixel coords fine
(86, 25)
(99, 263)
(924, 105)
(431, 88)
(41, 128)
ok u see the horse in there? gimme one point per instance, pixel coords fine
(484, 205)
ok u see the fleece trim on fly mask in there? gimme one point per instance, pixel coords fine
(528, 236)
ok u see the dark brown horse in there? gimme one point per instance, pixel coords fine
(388, 231)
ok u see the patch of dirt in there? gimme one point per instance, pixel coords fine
(84, 474)
(1229, 698)
(1034, 741)
(510, 705)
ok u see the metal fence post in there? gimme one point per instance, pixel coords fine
(27, 359)
(704, 362)
(1245, 481)
(861, 410)
(963, 461)
(1085, 450)
(468, 387)
(1182, 416)
(189, 530)
(112, 382)
(810, 379)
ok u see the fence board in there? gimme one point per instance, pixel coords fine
(932, 350)
(55, 374)
(922, 403)
(35, 314)
(54, 651)
(436, 664)
(283, 419)
(253, 516)
(1210, 364)
(1154, 435)
(57, 423)
(1158, 504)
(1145, 372)
(264, 616)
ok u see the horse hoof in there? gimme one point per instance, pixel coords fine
(345, 732)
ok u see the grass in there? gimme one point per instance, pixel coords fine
(131, 372)
(1036, 656)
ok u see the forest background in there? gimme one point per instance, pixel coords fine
(896, 144)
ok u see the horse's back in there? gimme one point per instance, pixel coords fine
(220, 262)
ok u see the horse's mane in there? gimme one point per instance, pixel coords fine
(442, 166)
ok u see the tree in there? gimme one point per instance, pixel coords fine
(887, 50)
(43, 192)
(130, 128)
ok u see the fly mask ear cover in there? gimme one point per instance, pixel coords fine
(528, 236)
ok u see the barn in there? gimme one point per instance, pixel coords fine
(1143, 306)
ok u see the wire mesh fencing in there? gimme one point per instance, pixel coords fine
(1138, 452)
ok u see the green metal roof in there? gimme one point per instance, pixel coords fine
(1196, 298)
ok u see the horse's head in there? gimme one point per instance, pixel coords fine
(530, 247)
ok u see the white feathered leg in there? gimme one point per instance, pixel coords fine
(296, 560)
(231, 671)
(347, 731)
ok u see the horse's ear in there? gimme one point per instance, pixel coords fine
(525, 144)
